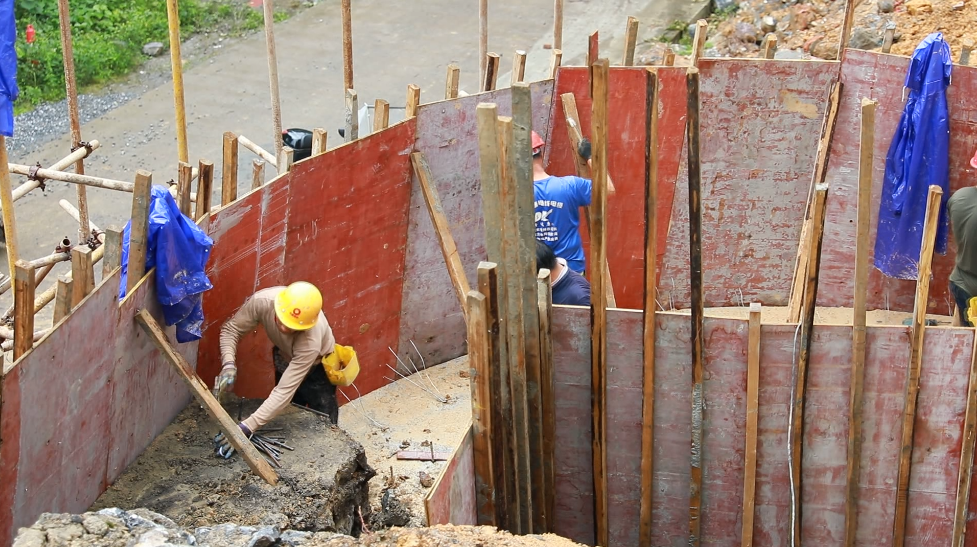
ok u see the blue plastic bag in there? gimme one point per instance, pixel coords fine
(179, 250)
(918, 157)
(8, 68)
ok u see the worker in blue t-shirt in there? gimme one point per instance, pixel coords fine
(557, 202)
(569, 287)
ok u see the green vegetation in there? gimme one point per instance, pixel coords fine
(108, 38)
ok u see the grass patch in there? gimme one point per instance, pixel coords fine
(108, 38)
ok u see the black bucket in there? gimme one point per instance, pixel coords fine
(299, 140)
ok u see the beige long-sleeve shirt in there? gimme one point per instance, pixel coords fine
(303, 349)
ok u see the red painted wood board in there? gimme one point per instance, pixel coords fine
(451, 499)
(447, 135)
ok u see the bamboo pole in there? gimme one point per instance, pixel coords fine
(482, 38)
(23, 313)
(61, 165)
(347, 46)
(630, 41)
(555, 62)
(7, 202)
(257, 173)
(276, 105)
(176, 67)
(229, 169)
(71, 91)
(381, 115)
(558, 24)
(451, 82)
(518, 67)
(97, 182)
(695, 281)
(261, 152)
(75, 214)
(8, 345)
(49, 260)
(752, 415)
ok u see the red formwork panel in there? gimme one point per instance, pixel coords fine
(347, 234)
(875, 76)
(447, 135)
(452, 498)
(627, 145)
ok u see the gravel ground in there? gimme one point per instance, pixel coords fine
(49, 120)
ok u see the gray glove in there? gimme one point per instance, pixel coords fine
(224, 382)
(222, 445)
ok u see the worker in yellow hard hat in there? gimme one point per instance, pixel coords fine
(292, 318)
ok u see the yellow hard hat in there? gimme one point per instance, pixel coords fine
(298, 305)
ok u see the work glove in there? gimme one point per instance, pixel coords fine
(222, 445)
(225, 380)
(584, 148)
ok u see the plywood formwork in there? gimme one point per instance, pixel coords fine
(451, 499)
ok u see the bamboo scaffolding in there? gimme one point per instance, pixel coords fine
(97, 182)
(61, 165)
(261, 152)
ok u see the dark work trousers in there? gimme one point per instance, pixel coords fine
(315, 392)
(962, 299)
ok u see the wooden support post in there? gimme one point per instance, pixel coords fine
(352, 116)
(229, 169)
(347, 45)
(482, 38)
(413, 101)
(74, 121)
(695, 276)
(968, 46)
(518, 67)
(593, 52)
(257, 173)
(862, 266)
(630, 41)
(456, 271)
(113, 251)
(231, 430)
(770, 46)
(276, 105)
(915, 362)
(699, 40)
(139, 229)
(381, 115)
(62, 299)
(183, 188)
(598, 298)
(555, 61)
(795, 434)
(650, 310)
(205, 183)
(482, 432)
(547, 395)
(285, 160)
(965, 472)
(820, 172)
(7, 203)
(23, 308)
(888, 36)
(752, 415)
(558, 24)
(176, 68)
(451, 82)
(668, 58)
(82, 274)
(491, 78)
(319, 140)
(846, 26)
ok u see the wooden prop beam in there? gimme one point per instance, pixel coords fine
(261, 152)
(491, 74)
(205, 187)
(752, 415)
(413, 101)
(7, 203)
(381, 115)
(352, 116)
(231, 430)
(74, 121)
(846, 26)
(276, 105)
(966, 457)
(482, 38)
(862, 242)
(558, 24)
(183, 199)
(555, 61)
(319, 140)
(257, 173)
(518, 67)
(61, 165)
(176, 67)
(82, 274)
(699, 40)
(918, 329)
(62, 299)
(451, 82)
(630, 41)
(770, 46)
(229, 169)
(546, 389)
(347, 45)
(482, 433)
(650, 311)
(456, 271)
(139, 229)
(23, 309)
(86, 180)
(113, 251)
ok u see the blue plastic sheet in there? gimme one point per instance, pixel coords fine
(918, 158)
(8, 68)
(179, 250)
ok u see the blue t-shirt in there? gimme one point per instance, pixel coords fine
(558, 201)
(572, 289)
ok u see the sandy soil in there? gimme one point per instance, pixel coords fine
(822, 315)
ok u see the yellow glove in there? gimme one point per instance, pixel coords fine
(972, 311)
(341, 366)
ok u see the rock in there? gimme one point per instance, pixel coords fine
(690, 30)
(918, 7)
(27, 537)
(768, 24)
(265, 537)
(745, 32)
(152, 49)
(886, 6)
(61, 536)
(725, 5)
(294, 538)
(426, 480)
(958, 6)
(788, 54)
(823, 49)
(862, 38)
(95, 526)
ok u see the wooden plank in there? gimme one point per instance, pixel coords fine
(205, 183)
(820, 172)
(752, 415)
(423, 455)
(770, 46)
(695, 276)
(136, 267)
(62, 299)
(352, 131)
(347, 17)
(203, 395)
(650, 312)
(555, 61)
(558, 24)
(964, 475)
(630, 41)
(862, 266)
(796, 432)
(184, 179)
(546, 389)
(82, 274)
(846, 25)
(413, 101)
(451, 82)
(491, 73)
(918, 329)
(229, 169)
(23, 308)
(319, 140)
(593, 52)
(598, 298)
(257, 173)
(381, 115)
(480, 380)
(456, 271)
(518, 73)
(112, 258)
(699, 40)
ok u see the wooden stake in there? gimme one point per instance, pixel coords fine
(183, 188)
(113, 251)
(598, 300)
(915, 362)
(176, 67)
(451, 82)
(668, 58)
(846, 26)
(770, 46)
(73, 178)
(482, 39)
(518, 67)
(229, 170)
(347, 46)
(968, 46)
(558, 24)
(413, 101)
(138, 231)
(863, 229)
(888, 36)
(261, 152)
(456, 271)
(480, 378)
(231, 430)
(204, 188)
(650, 310)
(62, 299)
(352, 115)
(319, 140)
(555, 62)
(276, 105)
(7, 203)
(23, 309)
(965, 472)
(381, 115)
(699, 40)
(630, 41)
(593, 52)
(71, 92)
(82, 274)
(257, 173)
(491, 78)
(695, 275)
(286, 159)
(546, 387)
(752, 411)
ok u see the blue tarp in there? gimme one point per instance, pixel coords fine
(918, 158)
(8, 68)
(178, 249)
